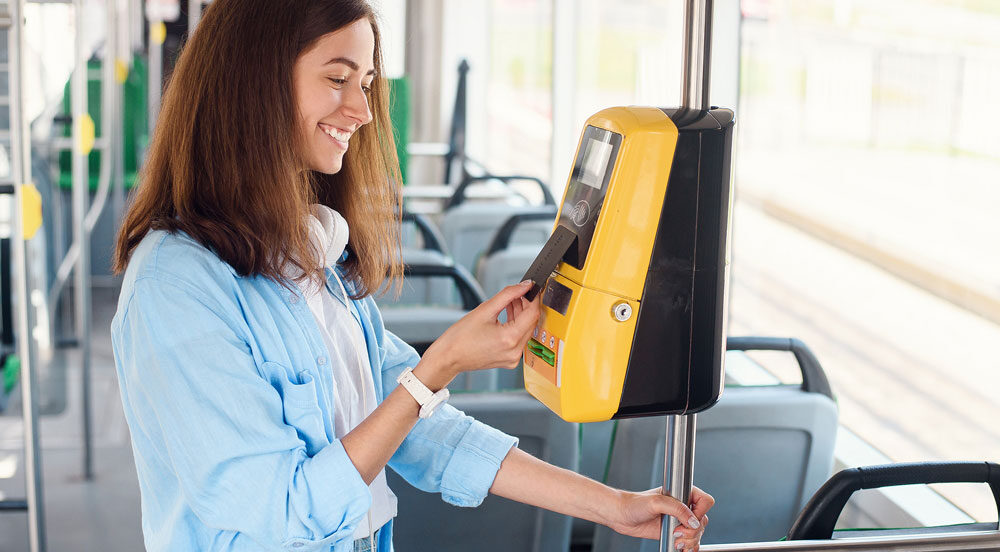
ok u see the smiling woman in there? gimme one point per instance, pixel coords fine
(253, 131)
(328, 119)
(264, 396)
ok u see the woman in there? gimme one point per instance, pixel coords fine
(259, 383)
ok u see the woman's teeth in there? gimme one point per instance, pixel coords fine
(337, 134)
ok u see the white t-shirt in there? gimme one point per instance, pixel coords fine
(352, 375)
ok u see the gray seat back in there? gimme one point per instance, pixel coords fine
(419, 326)
(435, 294)
(418, 231)
(760, 451)
(506, 267)
(469, 227)
(426, 523)
(424, 290)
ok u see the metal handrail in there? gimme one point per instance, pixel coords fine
(943, 542)
(20, 173)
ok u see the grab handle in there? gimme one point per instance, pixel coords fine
(458, 197)
(818, 518)
(814, 379)
(472, 295)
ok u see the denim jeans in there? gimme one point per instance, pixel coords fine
(366, 545)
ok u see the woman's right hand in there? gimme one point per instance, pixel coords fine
(479, 340)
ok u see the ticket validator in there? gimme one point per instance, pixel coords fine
(633, 276)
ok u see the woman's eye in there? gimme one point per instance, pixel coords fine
(338, 82)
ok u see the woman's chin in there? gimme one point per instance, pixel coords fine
(329, 167)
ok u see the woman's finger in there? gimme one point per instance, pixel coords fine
(682, 532)
(514, 309)
(687, 533)
(528, 317)
(701, 502)
(496, 304)
(674, 508)
(691, 537)
(688, 545)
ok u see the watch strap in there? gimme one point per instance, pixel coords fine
(427, 399)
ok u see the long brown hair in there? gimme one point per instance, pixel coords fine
(223, 162)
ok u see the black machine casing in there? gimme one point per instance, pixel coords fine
(676, 363)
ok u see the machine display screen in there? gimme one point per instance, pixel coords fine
(587, 188)
(557, 297)
(595, 163)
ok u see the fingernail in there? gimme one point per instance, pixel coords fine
(679, 546)
(525, 282)
(693, 523)
(678, 535)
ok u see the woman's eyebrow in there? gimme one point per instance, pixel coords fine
(348, 62)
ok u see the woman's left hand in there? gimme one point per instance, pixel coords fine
(639, 515)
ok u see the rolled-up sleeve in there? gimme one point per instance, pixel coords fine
(197, 403)
(449, 452)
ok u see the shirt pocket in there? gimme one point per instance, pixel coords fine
(300, 405)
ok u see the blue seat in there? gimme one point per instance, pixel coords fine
(760, 451)
(513, 248)
(468, 229)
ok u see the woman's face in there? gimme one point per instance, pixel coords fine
(332, 81)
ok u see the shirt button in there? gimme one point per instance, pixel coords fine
(321, 360)
(293, 299)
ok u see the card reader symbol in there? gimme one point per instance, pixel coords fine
(581, 213)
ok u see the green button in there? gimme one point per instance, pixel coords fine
(542, 352)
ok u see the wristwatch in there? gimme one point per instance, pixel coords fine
(428, 400)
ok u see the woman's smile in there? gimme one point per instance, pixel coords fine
(337, 135)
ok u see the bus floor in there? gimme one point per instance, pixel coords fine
(915, 375)
(102, 514)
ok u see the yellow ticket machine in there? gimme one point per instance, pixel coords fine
(634, 275)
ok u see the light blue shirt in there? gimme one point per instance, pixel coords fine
(228, 395)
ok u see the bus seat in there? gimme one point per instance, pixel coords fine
(436, 289)
(506, 267)
(770, 447)
(510, 380)
(427, 304)
(417, 231)
(595, 448)
(595, 445)
(468, 227)
(425, 522)
(513, 248)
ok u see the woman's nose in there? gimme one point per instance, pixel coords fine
(356, 106)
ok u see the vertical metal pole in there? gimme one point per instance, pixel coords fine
(81, 193)
(564, 52)
(678, 471)
(155, 70)
(678, 461)
(697, 50)
(194, 15)
(120, 55)
(20, 165)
